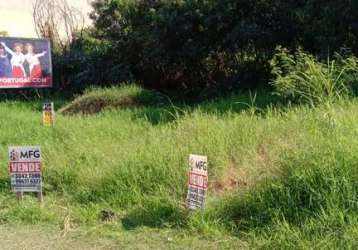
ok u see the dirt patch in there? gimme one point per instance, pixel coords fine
(253, 169)
(95, 100)
(233, 179)
(95, 105)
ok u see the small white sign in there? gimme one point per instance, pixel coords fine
(198, 181)
(25, 169)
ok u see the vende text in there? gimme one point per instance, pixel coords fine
(198, 180)
(16, 167)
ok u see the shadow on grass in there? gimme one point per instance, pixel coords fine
(34, 104)
(256, 103)
(155, 212)
(4, 184)
(158, 109)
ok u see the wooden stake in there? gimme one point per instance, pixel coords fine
(19, 196)
(40, 197)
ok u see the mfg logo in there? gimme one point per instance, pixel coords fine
(198, 162)
(202, 165)
(24, 153)
(30, 154)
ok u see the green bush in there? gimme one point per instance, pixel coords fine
(209, 46)
(200, 47)
(85, 62)
(302, 77)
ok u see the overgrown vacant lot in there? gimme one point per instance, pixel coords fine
(281, 176)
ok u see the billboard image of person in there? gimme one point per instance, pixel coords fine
(5, 65)
(25, 63)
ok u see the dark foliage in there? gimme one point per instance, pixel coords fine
(202, 46)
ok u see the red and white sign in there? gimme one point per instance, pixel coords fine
(198, 181)
(25, 169)
(25, 82)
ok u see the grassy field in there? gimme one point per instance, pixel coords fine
(281, 176)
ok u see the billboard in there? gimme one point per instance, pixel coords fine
(25, 63)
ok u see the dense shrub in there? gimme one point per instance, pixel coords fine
(192, 45)
(87, 62)
(202, 47)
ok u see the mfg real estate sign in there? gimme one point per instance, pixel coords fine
(25, 63)
(198, 181)
(25, 169)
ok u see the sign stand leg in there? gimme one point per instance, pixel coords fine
(19, 196)
(40, 197)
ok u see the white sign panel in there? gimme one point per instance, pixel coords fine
(25, 169)
(198, 181)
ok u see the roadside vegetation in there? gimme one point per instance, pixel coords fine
(282, 174)
(266, 89)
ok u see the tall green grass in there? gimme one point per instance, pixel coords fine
(303, 77)
(282, 177)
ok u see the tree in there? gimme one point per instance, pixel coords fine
(4, 33)
(200, 45)
(57, 21)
